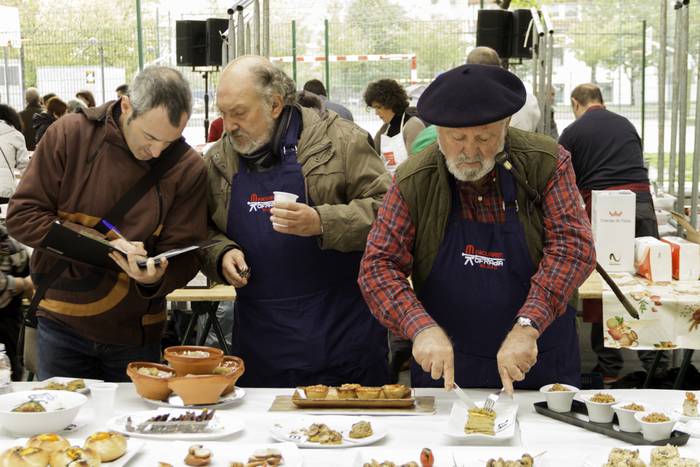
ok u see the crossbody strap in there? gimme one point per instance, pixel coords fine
(115, 215)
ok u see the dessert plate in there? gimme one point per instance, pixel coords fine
(504, 426)
(292, 431)
(601, 456)
(133, 446)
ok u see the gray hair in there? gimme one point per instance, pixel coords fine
(272, 81)
(160, 86)
(31, 95)
(74, 105)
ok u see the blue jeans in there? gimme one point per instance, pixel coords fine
(64, 353)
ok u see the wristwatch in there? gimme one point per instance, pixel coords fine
(523, 321)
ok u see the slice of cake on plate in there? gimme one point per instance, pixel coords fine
(480, 421)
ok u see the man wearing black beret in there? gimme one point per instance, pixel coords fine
(489, 224)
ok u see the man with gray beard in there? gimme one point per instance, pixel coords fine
(300, 318)
(488, 224)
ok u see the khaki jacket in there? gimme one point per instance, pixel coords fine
(344, 177)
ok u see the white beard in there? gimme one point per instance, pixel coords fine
(467, 174)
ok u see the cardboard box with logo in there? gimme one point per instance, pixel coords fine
(653, 259)
(685, 258)
(612, 220)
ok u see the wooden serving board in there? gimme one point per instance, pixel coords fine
(335, 402)
(420, 405)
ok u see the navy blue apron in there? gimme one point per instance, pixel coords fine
(301, 319)
(478, 283)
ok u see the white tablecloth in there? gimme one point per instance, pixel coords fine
(566, 445)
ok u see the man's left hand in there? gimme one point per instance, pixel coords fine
(295, 219)
(518, 353)
(149, 275)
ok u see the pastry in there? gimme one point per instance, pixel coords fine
(624, 458)
(49, 442)
(164, 464)
(75, 456)
(557, 387)
(690, 405)
(683, 462)
(348, 391)
(368, 392)
(480, 421)
(361, 430)
(663, 455)
(19, 456)
(395, 391)
(108, 445)
(265, 457)
(198, 455)
(633, 406)
(319, 391)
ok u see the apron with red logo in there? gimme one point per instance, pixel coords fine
(479, 281)
(301, 320)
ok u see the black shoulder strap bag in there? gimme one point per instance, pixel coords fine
(167, 160)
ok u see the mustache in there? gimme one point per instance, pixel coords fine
(463, 158)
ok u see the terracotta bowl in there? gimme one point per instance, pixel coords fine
(236, 368)
(150, 387)
(199, 389)
(193, 365)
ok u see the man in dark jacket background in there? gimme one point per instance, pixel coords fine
(31, 96)
(606, 153)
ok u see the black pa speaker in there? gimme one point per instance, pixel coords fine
(493, 29)
(190, 43)
(521, 22)
(215, 26)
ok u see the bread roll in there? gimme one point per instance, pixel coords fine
(49, 442)
(198, 455)
(74, 456)
(108, 445)
(19, 456)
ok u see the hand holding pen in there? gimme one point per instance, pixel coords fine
(134, 252)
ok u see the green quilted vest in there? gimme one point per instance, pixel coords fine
(424, 184)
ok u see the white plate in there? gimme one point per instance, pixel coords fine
(133, 446)
(504, 427)
(64, 380)
(290, 431)
(222, 453)
(684, 418)
(448, 456)
(174, 401)
(601, 457)
(220, 426)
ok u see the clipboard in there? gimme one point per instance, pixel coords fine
(85, 248)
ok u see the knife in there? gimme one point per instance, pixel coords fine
(463, 397)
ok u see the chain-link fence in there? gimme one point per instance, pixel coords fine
(413, 52)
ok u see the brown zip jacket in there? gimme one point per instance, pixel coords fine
(79, 171)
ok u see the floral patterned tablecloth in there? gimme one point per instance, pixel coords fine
(669, 314)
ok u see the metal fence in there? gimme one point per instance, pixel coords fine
(413, 52)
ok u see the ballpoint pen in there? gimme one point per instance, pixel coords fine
(113, 229)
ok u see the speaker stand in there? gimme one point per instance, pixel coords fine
(205, 75)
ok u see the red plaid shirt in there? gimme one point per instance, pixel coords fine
(568, 259)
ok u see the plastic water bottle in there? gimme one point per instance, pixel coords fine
(5, 371)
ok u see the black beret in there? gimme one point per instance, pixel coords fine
(471, 95)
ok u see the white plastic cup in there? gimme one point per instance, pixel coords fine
(103, 395)
(284, 197)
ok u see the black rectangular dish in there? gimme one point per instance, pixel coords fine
(678, 438)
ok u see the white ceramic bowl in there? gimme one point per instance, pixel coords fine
(599, 412)
(656, 431)
(625, 417)
(664, 201)
(559, 401)
(61, 409)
